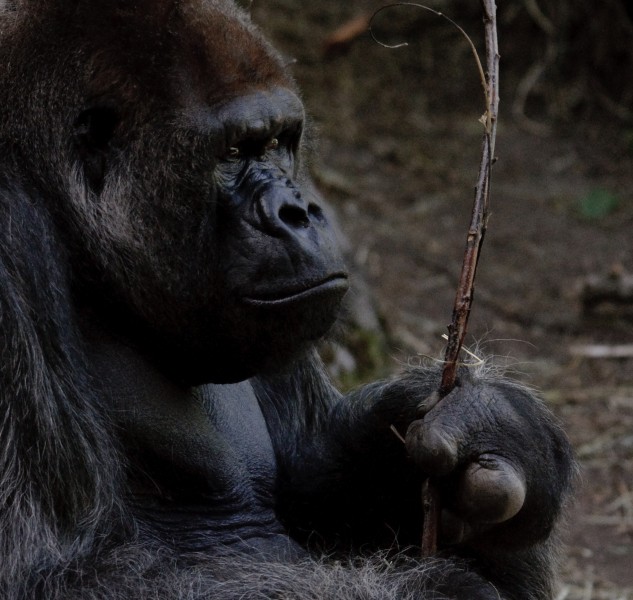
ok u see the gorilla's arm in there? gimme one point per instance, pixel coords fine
(347, 481)
(341, 468)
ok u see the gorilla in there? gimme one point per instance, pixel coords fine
(166, 428)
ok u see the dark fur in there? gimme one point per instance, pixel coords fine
(119, 478)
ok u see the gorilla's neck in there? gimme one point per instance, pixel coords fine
(154, 415)
(190, 451)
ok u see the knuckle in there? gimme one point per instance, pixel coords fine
(431, 450)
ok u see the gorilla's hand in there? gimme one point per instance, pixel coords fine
(500, 462)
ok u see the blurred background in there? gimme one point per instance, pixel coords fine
(396, 152)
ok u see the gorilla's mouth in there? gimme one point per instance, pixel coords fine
(334, 285)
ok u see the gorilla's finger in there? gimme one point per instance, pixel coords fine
(490, 490)
(434, 450)
(453, 529)
(428, 404)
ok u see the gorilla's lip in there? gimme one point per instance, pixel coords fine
(333, 284)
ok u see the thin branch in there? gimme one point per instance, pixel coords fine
(479, 219)
(476, 231)
(473, 49)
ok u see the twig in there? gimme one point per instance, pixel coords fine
(474, 240)
(482, 75)
(476, 233)
(432, 511)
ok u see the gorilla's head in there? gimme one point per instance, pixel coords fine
(175, 181)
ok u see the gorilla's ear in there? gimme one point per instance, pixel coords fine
(95, 126)
(94, 129)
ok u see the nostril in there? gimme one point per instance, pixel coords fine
(315, 212)
(295, 216)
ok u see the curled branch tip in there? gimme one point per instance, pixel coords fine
(473, 49)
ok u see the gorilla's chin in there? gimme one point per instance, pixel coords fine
(256, 337)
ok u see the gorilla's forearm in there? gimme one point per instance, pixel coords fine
(362, 490)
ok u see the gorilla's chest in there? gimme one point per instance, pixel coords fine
(206, 479)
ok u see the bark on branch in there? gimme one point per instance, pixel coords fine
(476, 233)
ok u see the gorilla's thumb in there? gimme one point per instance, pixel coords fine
(491, 491)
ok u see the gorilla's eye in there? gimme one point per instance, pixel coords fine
(253, 148)
(95, 127)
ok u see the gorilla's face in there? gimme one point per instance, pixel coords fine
(197, 234)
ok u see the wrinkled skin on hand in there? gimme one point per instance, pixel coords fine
(473, 444)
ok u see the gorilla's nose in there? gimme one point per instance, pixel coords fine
(285, 211)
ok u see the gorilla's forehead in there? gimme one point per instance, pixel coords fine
(143, 52)
(206, 49)
(225, 54)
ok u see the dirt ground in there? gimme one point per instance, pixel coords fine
(397, 152)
